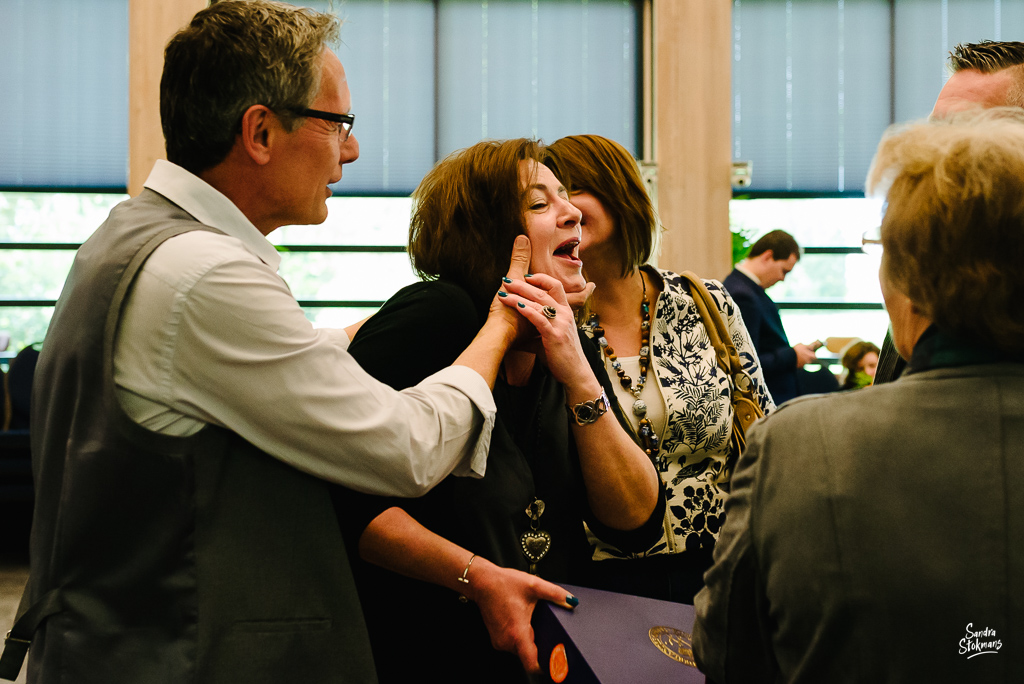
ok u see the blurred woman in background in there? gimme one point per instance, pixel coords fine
(859, 362)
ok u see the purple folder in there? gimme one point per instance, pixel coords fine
(615, 639)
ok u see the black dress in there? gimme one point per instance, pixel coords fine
(418, 628)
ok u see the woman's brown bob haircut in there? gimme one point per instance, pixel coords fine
(467, 212)
(953, 231)
(605, 169)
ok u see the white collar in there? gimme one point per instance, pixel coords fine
(210, 207)
(746, 271)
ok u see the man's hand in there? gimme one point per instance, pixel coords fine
(506, 599)
(804, 355)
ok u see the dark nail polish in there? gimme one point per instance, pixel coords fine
(502, 294)
(506, 280)
(572, 600)
(528, 275)
(521, 305)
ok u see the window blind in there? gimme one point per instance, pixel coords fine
(64, 108)
(816, 82)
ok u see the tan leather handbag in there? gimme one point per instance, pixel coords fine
(745, 408)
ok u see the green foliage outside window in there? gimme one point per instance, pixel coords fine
(38, 274)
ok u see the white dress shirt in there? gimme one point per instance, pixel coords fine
(747, 272)
(211, 334)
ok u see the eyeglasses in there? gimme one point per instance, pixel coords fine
(344, 121)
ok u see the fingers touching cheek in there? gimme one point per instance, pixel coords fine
(531, 289)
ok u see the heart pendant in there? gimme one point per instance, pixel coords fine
(536, 544)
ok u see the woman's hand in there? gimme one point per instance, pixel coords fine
(506, 599)
(622, 484)
(541, 300)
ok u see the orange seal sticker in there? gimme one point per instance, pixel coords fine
(674, 643)
(558, 665)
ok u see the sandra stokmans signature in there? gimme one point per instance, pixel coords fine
(979, 642)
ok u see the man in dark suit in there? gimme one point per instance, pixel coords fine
(986, 74)
(770, 259)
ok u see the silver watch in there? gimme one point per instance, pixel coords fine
(589, 411)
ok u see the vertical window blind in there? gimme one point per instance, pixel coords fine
(816, 82)
(537, 69)
(427, 77)
(926, 30)
(64, 101)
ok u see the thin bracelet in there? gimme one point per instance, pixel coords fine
(465, 579)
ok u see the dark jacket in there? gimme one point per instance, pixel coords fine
(761, 316)
(875, 536)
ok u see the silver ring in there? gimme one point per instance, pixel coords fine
(549, 311)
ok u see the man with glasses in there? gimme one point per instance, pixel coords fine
(986, 74)
(187, 414)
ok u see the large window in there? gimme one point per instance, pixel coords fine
(815, 84)
(833, 291)
(427, 77)
(432, 76)
(39, 232)
(64, 108)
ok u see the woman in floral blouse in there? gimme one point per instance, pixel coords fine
(670, 391)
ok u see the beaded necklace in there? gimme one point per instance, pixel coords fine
(648, 438)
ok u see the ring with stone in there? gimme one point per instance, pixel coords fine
(549, 311)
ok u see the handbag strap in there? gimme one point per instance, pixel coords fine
(746, 409)
(728, 358)
(719, 335)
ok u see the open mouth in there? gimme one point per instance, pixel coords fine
(569, 250)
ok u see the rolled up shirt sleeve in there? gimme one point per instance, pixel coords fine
(211, 334)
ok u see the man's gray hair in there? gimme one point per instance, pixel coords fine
(953, 230)
(231, 56)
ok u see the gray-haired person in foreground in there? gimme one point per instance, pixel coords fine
(876, 536)
(187, 414)
(986, 74)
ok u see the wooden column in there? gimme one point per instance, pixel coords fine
(692, 48)
(151, 23)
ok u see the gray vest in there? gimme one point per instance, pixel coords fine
(169, 559)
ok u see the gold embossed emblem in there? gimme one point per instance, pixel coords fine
(675, 644)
